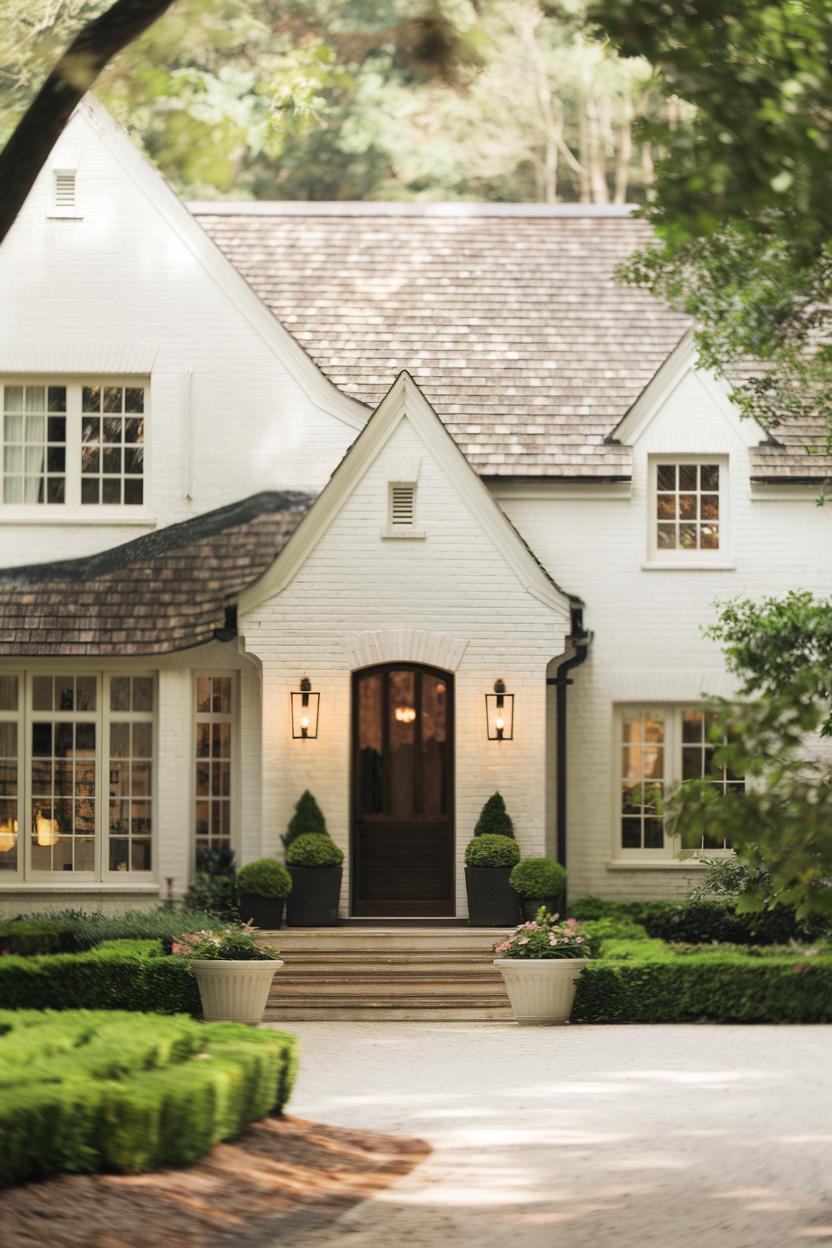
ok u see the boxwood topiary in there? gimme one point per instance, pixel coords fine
(494, 819)
(307, 820)
(264, 878)
(538, 877)
(314, 850)
(491, 850)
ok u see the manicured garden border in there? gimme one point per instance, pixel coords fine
(89, 1091)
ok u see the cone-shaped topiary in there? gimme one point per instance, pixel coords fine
(307, 819)
(494, 818)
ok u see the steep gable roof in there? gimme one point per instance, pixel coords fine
(165, 591)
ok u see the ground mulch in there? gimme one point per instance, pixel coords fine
(282, 1177)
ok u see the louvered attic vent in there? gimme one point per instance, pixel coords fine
(64, 193)
(402, 503)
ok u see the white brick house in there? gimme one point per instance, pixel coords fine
(399, 452)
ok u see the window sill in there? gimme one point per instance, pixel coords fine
(672, 565)
(57, 516)
(655, 864)
(391, 533)
(91, 886)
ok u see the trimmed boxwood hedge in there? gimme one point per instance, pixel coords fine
(703, 922)
(71, 931)
(116, 975)
(86, 1091)
(646, 981)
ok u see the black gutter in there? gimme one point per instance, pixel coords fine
(580, 639)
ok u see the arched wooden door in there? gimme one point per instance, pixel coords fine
(402, 791)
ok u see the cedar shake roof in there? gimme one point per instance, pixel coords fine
(507, 316)
(169, 590)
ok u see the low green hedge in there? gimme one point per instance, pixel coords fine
(83, 1091)
(116, 975)
(71, 931)
(647, 981)
(703, 922)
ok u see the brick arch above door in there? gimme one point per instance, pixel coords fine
(404, 645)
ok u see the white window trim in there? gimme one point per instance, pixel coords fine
(690, 560)
(236, 767)
(101, 876)
(671, 854)
(71, 510)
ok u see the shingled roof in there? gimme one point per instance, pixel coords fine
(169, 590)
(507, 316)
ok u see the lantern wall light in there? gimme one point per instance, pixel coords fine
(499, 713)
(305, 704)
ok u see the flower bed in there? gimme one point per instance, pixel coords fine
(85, 1091)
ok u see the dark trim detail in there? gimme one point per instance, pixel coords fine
(581, 640)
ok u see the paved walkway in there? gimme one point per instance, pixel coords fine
(586, 1137)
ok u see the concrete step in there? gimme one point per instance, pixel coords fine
(374, 957)
(318, 971)
(387, 1014)
(391, 940)
(333, 989)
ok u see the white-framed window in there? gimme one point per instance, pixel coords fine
(215, 721)
(658, 747)
(688, 509)
(74, 444)
(77, 799)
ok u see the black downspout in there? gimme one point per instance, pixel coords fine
(580, 639)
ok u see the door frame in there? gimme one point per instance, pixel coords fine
(450, 680)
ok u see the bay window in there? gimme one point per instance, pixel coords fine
(658, 748)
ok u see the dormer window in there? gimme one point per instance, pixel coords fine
(687, 516)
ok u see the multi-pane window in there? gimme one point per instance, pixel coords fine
(74, 443)
(131, 773)
(214, 716)
(112, 444)
(9, 772)
(63, 782)
(687, 506)
(658, 749)
(34, 444)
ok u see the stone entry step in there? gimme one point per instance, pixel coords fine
(396, 974)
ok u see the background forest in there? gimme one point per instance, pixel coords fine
(324, 99)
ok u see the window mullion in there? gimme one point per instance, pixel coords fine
(73, 445)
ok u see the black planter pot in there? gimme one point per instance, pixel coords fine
(313, 901)
(531, 905)
(264, 912)
(492, 902)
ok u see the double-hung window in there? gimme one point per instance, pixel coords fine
(77, 763)
(74, 444)
(657, 748)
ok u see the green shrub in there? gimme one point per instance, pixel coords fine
(264, 878)
(538, 877)
(645, 982)
(702, 922)
(308, 820)
(314, 850)
(84, 1091)
(494, 819)
(603, 930)
(119, 974)
(586, 908)
(214, 886)
(71, 931)
(487, 849)
(231, 944)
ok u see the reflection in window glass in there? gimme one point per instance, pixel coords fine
(687, 507)
(213, 737)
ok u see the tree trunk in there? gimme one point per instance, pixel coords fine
(41, 125)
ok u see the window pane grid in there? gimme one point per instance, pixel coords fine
(9, 773)
(642, 780)
(131, 773)
(34, 444)
(112, 444)
(213, 735)
(687, 506)
(63, 795)
(698, 763)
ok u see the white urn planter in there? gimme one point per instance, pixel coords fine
(541, 990)
(232, 991)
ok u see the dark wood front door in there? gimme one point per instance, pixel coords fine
(402, 791)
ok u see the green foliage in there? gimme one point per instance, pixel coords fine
(264, 878)
(645, 982)
(214, 886)
(314, 850)
(538, 877)
(545, 937)
(591, 907)
(742, 199)
(487, 849)
(308, 820)
(706, 921)
(613, 928)
(494, 819)
(71, 931)
(85, 1092)
(728, 879)
(119, 974)
(235, 944)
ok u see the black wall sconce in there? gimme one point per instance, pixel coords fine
(305, 704)
(499, 713)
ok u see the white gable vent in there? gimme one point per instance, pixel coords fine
(402, 502)
(64, 193)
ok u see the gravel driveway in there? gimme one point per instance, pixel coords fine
(583, 1136)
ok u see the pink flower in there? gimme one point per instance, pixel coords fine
(177, 948)
(524, 940)
(579, 940)
(572, 922)
(6, 953)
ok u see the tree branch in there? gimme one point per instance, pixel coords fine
(41, 126)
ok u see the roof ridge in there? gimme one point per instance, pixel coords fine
(161, 541)
(402, 208)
